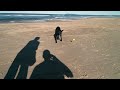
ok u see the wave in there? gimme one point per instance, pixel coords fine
(12, 17)
(26, 15)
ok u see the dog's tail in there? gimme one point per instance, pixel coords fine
(62, 30)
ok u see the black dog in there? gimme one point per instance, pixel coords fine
(58, 34)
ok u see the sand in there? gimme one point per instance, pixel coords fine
(90, 47)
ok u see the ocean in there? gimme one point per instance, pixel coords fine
(25, 17)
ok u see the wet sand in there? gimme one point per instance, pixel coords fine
(90, 47)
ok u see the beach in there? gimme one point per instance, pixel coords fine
(90, 46)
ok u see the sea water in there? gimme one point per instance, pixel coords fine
(31, 17)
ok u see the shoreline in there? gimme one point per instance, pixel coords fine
(53, 20)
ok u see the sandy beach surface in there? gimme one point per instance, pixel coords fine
(90, 47)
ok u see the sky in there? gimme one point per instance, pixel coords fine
(68, 12)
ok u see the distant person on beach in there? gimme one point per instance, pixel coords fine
(51, 68)
(58, 34)
(25, 58)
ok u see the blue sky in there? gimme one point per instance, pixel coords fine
(68, 12)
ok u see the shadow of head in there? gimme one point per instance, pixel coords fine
(37, 38)
(46, 55)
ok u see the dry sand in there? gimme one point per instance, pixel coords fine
(90, 47)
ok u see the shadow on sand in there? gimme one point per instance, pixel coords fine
(25, 58)
(50, 68)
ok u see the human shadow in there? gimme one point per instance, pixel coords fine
(50, 68)
(25, 58)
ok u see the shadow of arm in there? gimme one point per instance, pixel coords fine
(68, 72)
(62, 67)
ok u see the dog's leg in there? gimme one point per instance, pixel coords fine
(55, 37)
(61, 37)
